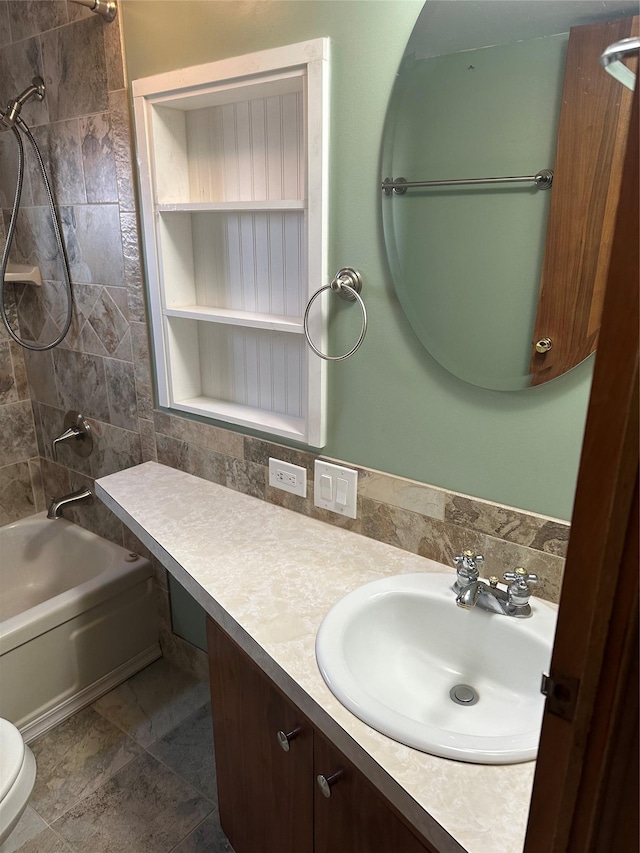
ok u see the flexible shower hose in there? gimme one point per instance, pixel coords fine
(12, 228)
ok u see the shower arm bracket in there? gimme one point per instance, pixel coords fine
(107, 8)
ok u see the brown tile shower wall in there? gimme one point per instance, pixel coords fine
(20, 481)
(102, 368)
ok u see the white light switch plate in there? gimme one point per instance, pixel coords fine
(288, 477)
(335, 488)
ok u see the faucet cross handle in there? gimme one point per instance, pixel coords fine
(468, 559)
(520, 581)
(521, 576)
(467, 566)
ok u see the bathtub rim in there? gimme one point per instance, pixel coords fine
(42, 617)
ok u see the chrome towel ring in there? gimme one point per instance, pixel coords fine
(347, 283)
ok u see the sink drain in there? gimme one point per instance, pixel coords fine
(462, 694)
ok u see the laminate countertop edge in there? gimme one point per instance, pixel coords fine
(244, 560)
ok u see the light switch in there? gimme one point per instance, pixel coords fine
(335, 488)
(326, 487)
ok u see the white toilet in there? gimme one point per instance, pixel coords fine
(17, 777)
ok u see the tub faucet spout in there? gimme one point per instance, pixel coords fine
(58, 504)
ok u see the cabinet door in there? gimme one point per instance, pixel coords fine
(264, 792)
(355, 819)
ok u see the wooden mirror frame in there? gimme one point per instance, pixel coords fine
(594, 122)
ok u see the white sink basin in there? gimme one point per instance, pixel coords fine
(393, 650)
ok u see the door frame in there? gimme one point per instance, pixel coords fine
(587, 770)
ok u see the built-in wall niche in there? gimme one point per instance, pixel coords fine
(233, 176)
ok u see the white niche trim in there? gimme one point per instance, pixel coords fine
(233, 164)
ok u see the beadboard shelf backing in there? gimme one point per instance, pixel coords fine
(244, 261)
(233, 175)
(256, 371)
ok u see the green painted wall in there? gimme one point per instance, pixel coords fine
(391, 406)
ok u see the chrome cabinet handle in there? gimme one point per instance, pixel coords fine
(325, 783)
(284, 739)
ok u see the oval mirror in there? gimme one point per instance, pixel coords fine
(502, 279)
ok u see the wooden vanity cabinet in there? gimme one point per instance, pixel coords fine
(269, 798)
(355, 819)
(265, 794)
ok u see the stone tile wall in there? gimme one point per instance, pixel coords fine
(20, 482)
(414, 516)
(103, 368)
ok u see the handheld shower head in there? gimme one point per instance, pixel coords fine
(11, 115)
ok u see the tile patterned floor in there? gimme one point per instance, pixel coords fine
(132, 773)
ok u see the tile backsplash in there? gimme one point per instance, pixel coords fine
(103, 366)
(416, 517)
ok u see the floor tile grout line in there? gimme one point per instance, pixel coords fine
(187, 781)
(179, 720)
(128, 737)
(71, 847)
(146, 746)
(189, 834)
(172, 770)
(176, 772)
(112, 776)
(91, 794)
(129, 740)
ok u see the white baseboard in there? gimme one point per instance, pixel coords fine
(89, 694)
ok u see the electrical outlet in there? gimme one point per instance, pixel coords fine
(288, 477)
(335, 488)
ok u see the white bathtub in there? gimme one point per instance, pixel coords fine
(77, 617)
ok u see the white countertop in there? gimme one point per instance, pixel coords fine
(269, 576)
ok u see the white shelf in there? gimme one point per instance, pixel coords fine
(248, 261)
(269, 322)
(247, 416)
(233, 172)
(231, 206)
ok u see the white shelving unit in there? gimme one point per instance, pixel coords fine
(233, 161)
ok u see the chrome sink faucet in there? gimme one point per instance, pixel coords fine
(470, 590)
(58, 504)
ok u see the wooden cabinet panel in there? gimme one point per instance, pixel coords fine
(269, 799)
(355, 819)
(264, 793)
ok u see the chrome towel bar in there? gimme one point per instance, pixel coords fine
(347, 283)
(543, 181)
